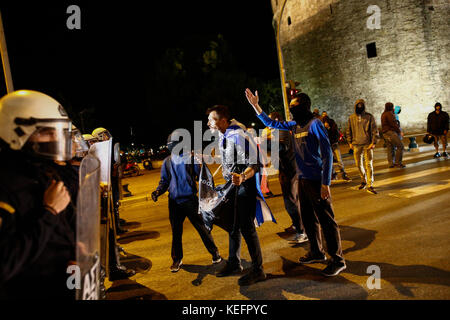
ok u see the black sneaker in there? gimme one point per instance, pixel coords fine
(401, 166)
(437, 155)
(362, 186)
(176, 266)
(291, 229)
(445, 154)
(229, 270)
(371, 190)
(346, 177)
(333, 269)
(118, 274)
(268, 194)
(252, 277)
(392, 166)
(216, 258)
(309, 258)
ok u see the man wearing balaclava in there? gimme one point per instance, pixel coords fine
(314, 159)
(362, 136)
(437, 125)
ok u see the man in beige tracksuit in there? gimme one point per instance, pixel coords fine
(362, 134)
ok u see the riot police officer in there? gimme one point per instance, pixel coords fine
(37, 216)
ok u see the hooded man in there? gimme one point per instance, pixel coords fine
(178, 175)
(437, 126)
(362, 136)
(391, 134)
(314, 160)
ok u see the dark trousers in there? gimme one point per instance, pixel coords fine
(245, 225)
(289, 188)
(318, 214)
(177, 213)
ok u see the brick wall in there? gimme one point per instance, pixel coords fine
(324, 48)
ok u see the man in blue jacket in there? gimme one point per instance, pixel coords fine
(178, 175)
(314, 164)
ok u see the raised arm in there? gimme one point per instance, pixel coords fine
(253, 99)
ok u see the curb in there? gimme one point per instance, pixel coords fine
(135, 199)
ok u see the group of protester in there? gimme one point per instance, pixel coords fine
(362, 135)
(41, 152)
(308, 145)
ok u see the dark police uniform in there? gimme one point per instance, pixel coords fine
(35, 245)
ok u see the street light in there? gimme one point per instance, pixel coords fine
(5, 59)
(281, 63)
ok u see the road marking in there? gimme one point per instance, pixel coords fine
(410, 176)
(421, 190)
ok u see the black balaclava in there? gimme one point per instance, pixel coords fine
(437, 105)
(360, 108)
(301, 109)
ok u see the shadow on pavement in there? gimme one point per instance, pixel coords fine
(137, 263)
(362, 238)
(138, 235)
(305, 281)
(203, 271)
(399, 275)
(131, 290)
(132, 225)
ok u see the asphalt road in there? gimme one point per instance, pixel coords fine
(403, 231)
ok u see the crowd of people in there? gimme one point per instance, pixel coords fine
(42, 152)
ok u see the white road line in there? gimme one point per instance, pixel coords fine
(421, 190)
(409, 176)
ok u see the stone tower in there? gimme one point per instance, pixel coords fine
(332, 48)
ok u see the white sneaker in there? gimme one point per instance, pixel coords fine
(300, 238)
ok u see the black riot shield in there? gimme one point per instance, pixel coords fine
(88, 229)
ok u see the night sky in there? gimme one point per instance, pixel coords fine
(107, 64)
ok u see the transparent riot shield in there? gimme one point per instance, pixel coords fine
(103, 151)
(88, 229)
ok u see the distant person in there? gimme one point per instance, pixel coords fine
(391, 134)
(362, 136)
(333, 135)
(266, 140)
(324, 114)
(314, 159)
(178, 175)
(437, 126)
(316, 113)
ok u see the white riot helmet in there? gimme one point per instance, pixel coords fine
(35, 123)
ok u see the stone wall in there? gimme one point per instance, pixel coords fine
(324, 48)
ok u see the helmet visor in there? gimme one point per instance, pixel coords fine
(51, 140)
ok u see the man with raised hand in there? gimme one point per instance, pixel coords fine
(314, 162)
